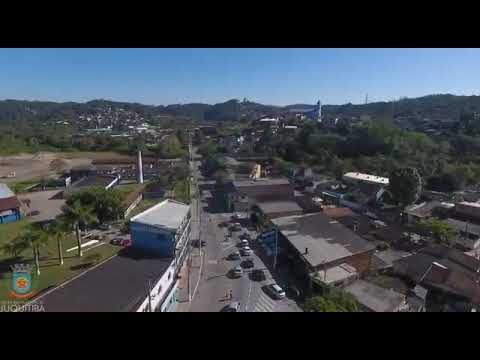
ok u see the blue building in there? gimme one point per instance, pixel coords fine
(164, 229)
(9, 205)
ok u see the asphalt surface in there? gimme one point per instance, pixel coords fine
(213, 292)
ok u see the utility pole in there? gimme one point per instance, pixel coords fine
(189, 264)
(149, 288)
(276, 249)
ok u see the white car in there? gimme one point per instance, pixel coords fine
(276, 291)
(246, 251)
(243, 242)
(237, 271)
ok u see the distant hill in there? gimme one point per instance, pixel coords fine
(431, 106)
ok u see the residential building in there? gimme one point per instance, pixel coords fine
(325, 250)
(468, 234)
(374, 298)
(445, 270)
(468, 210)
(426, 210)
(9, 205)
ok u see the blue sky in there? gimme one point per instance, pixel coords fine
(270, 76)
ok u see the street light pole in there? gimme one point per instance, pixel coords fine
(276, 249)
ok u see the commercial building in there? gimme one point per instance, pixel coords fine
(104, 181)
(328, 252)
(130, 282)
(276, 209)
(9, 205)
(355, 177)
(142, 277)
(164, 229)
(243, 194)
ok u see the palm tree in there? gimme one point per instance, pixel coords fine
(15, 247)
(58, 232)
(35, 239)
(75, 215)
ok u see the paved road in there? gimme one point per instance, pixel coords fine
(214, 286)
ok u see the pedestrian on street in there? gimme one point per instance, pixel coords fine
(231, 294)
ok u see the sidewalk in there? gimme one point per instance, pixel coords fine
(182, 292)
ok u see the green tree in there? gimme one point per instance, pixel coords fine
(405, 185)
(107, 204)
(15, 247)
(442, 232)
(58, 232)
(334, 300)
(76, 215)
(35, 239)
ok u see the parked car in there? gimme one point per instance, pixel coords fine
(258, 275)
(232, 307)
(237, 272)
(234, 256)
(244, 243)
(276, 291)
(236, 227)
(126, 242)
(246, 236)
(116, 241)
(247, 263)
(237, 216)
(246, 251)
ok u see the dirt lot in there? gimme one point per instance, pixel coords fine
(28, 166)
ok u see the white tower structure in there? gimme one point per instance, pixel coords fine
(139, 168)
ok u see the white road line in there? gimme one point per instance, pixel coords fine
(265, 304)
(248, 299)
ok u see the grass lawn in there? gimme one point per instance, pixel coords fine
(51, 273)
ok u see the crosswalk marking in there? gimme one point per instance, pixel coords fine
(264, 304)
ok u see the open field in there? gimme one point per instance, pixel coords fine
(37, 166)
(51, 273)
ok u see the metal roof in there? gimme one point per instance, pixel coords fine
(118, 285)
(5, 191)
(167, 214)
(326, 240)
(374, 297)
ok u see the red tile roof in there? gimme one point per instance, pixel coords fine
(9, 203)
(337, 213)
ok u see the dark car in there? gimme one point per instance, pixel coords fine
(258, 275)
(247, 264)
(116, 241)
(234, 256)
(196, 243)
(233, 307)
